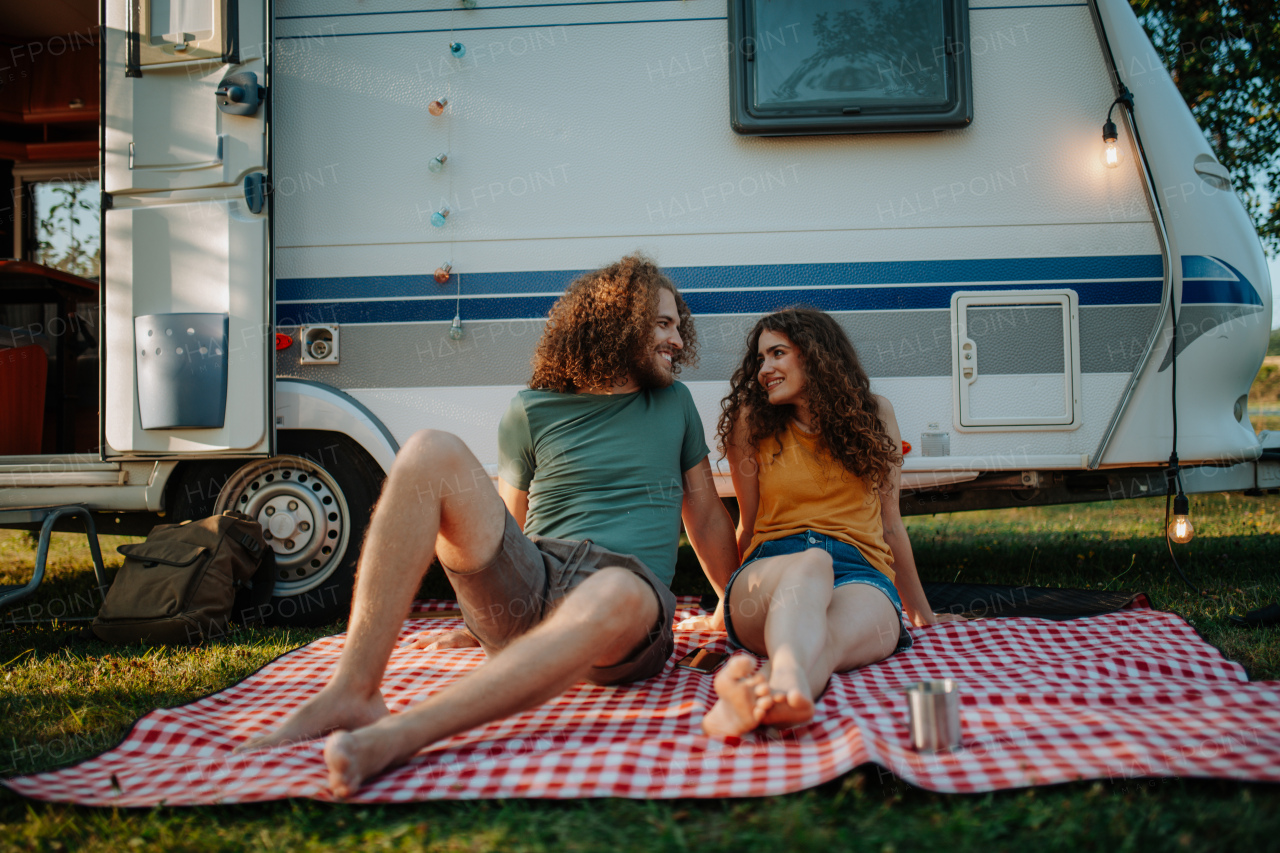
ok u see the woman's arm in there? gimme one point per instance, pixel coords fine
(906, 578)
(744, 470)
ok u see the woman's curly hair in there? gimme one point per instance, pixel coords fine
(841, 407)
(601, 329)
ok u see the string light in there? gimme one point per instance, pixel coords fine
(1180, 529)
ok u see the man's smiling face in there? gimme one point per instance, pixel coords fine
(658, 370)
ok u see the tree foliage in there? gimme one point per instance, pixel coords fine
(1224, 56)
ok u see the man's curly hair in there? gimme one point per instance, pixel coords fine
(600, 332)
(841, 407)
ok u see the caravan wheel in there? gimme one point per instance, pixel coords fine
(313, 503)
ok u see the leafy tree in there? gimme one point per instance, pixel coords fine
(75, 207)
(1224, 55)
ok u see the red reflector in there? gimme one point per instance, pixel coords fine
(906, 445)
(283, 341)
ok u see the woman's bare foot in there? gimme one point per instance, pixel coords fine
(791, 702)
(793, 708)
(332, 708)
(744, 699)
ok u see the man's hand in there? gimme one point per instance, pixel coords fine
(434, 641)
(713, 622)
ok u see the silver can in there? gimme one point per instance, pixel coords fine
(934, 714)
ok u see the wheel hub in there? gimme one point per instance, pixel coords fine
(304, 520)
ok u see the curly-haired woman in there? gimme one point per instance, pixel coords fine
(828, 574)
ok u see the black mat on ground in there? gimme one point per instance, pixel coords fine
(992, 600)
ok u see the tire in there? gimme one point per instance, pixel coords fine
(314, 502)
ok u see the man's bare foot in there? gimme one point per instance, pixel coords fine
(354, 757)
(433, 641)
(793, 708)
(332, 708)
(744, 699)
(342, 757)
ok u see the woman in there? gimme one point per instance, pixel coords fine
(829, 573)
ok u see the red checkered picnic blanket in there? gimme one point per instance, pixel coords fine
(1136, 693)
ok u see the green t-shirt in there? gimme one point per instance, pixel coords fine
(604, 467)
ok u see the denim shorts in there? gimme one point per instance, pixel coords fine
(847, 561)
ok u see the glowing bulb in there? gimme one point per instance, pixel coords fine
(438, 218)
(1180, 529)
(1111, 154)
(457, 49)
(437, 107)
(455, 330)
(442, 273)
(437, 163)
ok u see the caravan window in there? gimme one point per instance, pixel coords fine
(849, 66)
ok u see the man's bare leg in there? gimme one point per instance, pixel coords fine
(437, 497)
(600, 624)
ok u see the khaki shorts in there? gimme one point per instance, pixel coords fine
(531, 576)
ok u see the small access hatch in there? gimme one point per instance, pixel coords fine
(1016, 359)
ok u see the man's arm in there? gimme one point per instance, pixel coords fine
(517, 501)
(710, 531)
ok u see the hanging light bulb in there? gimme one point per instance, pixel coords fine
(458, 49)
(455, 330)
(442, 273)
(437, 106)
(468, 4)
(437, 163)
(1180, 529)
(439, 217)
(1111, 153)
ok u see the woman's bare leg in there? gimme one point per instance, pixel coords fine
(785, 607)
(778, 608)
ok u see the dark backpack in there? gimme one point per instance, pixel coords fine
(183, 584)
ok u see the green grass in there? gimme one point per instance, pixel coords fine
(65, 696)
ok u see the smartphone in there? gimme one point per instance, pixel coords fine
(702, 660)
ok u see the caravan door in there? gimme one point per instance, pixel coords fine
(188, 332)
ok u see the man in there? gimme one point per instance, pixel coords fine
(602, 456)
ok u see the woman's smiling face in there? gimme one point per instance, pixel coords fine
(780, 370)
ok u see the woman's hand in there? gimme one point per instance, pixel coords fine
(925, 618)
(434, 641)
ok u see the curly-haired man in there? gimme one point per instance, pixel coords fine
(599, 460)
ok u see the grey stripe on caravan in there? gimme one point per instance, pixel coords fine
(907, 343)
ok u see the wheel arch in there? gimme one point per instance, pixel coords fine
(303, 404)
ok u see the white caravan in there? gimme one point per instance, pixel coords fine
(403, 187)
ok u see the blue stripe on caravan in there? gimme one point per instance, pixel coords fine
(723, 302)
(487, 8)
(757, 275)
(1213, 281)
(1217, 292)
(502, 27)
(1198, 266)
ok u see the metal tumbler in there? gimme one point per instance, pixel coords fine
(935, 714)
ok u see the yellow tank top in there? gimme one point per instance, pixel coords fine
(805, 488)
